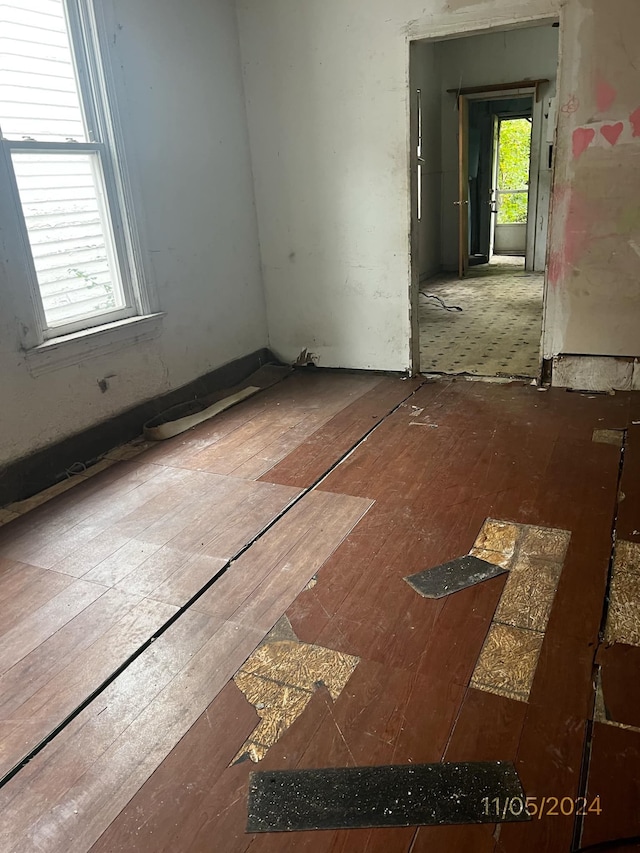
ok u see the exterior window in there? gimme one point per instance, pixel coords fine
(58, 138)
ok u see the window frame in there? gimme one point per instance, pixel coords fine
(95, 88)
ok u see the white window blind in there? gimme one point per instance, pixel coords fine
(62, 168)
(39, 95)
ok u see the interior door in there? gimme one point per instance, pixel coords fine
(463, 185)
(493, 193)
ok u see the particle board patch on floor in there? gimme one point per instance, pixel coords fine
(279, 680)
(534, 557)
(392, 795)
(508, 661)
(453, 576)
(609, 436)
(623, 614)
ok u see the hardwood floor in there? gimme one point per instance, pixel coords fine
(131, 600)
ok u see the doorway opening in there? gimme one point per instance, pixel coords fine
(513, 147)
(483, 134)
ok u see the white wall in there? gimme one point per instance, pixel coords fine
(180, 100)
(504, 57)
(328, 103)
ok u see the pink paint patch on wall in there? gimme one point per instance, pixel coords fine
(634, 118)
(580, 218)
(605, 96)
(611, 132)
(582, 139)
(571, 106)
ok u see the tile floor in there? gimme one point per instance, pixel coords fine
(498, 331)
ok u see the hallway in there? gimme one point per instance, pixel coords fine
(497, 333)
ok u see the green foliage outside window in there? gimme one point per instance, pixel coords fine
(513, 170)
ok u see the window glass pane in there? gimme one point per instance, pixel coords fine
(64, 209)
(514, 154)
(512, 207)
(39, 97)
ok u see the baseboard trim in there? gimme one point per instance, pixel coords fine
(46, 467)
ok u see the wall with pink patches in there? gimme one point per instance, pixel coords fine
(593, 301)
(328, 100)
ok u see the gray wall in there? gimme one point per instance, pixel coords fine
(180, 98)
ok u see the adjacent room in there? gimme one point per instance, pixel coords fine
(319, 426)
(485, 125)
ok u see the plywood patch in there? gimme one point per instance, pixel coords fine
(507, 662)
(528, 594)
(498, 536)
(534, 557)
(279, 680)
(608, 436)
(495, 557)
(626, 557)
(623, 615)
(544, 542)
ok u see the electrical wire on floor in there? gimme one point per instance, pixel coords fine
(441, 301)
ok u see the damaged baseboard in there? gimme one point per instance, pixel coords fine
(45, 467)
(596, 372)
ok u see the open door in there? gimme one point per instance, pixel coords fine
(463, 186)
(493, 192)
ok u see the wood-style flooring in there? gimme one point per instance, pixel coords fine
(130, 601)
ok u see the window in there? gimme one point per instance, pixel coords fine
(58, 139)
(514, 156)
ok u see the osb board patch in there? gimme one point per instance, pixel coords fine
(534, 557)
(507, 662)
(279, 680)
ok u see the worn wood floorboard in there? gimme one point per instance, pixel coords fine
(614, 776)
(106, 753)
(452, 454)
(313, 457)
(43, 525)
(20, 582)
(628, 526)
(488, 728)
(163, 536)
(455, 839)
(499, 451)
(297, 542)
(250, 439)
(620, 666)
(47, 703)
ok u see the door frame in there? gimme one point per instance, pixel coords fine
(519, 91)
(444, 32)
(463, 186)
